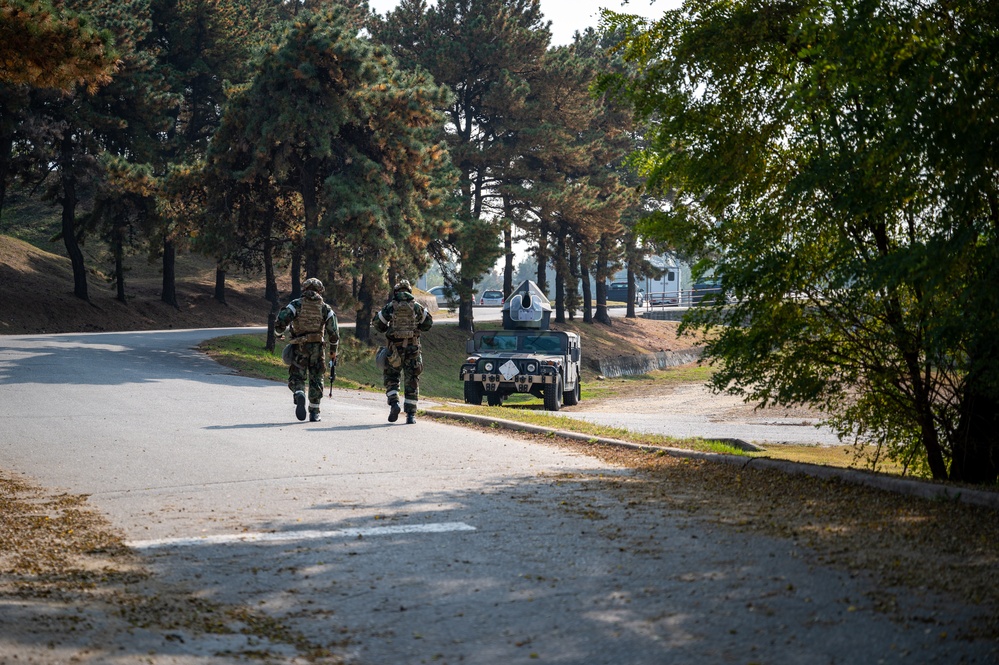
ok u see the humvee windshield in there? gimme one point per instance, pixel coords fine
(540, 342)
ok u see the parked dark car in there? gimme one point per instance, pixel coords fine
(618, 291)
(704, 291)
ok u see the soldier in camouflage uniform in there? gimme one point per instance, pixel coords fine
(402, 320)
(313, 325)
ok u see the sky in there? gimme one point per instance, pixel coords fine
(568, 16)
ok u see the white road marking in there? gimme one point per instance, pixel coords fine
(279, 536)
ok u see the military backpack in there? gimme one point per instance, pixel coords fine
(308, 325)
(403, 319)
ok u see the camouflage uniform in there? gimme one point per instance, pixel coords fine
(402, 320)
(313, 325)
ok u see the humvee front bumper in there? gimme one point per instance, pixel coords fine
(522, 382)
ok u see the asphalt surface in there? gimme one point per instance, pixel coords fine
(691, 417)
(404, 544)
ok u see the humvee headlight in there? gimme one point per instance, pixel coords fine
(531, 367)
(488, 367)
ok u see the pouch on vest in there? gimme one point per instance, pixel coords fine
(288, 355)
(394, 357)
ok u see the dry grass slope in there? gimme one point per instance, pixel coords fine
(36, 296)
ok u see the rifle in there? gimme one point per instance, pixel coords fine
(332, 374)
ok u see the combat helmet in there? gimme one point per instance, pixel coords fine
(313, 284)
(403, 285)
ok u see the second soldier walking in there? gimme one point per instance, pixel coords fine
(313, 326)
(402, 320)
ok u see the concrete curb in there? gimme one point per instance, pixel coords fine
(919, 488)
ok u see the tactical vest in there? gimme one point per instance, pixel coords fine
(403, 319)
(309, 324)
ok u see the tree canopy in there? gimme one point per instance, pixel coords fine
(45, 46)
(317, 138)
(835, 161)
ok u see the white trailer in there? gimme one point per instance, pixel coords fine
(665, 290)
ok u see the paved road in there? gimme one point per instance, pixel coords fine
(692, 410)
(426, 543)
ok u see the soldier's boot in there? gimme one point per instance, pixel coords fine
(410, 418)
(394, 410)
(300, 404)
(314, 416)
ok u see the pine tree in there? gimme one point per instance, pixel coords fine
(562, 176)
(204, 46)
(332, 128)
(82, 130)
(43, 47)
(484, 51)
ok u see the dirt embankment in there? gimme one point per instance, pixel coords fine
(36, 296)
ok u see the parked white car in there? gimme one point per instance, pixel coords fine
(445, 296)
(491, 297)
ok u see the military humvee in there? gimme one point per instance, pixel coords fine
(524, 357)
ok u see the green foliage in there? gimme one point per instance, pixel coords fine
(814, 151)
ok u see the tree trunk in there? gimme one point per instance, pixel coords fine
(270, 287)
(976, 446)
(632, 292)
(584, 277)
(271, 344)
(466, 320)
(219, 283)
(508, 266)
(602, 315)
(118, 249)
(68, 180)
(310, 204)
(542, 256)
(572, 284)
(560, 278)
(366, 300)
(272, 291)
(169, 295)
(296, 274)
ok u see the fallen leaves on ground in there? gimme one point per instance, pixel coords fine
(58, 553)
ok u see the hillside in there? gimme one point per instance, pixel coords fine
(36, 296)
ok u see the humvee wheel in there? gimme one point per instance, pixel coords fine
(571, 397)
(553, 395)
(473, 392)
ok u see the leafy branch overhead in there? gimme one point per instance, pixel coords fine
(838, 160)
